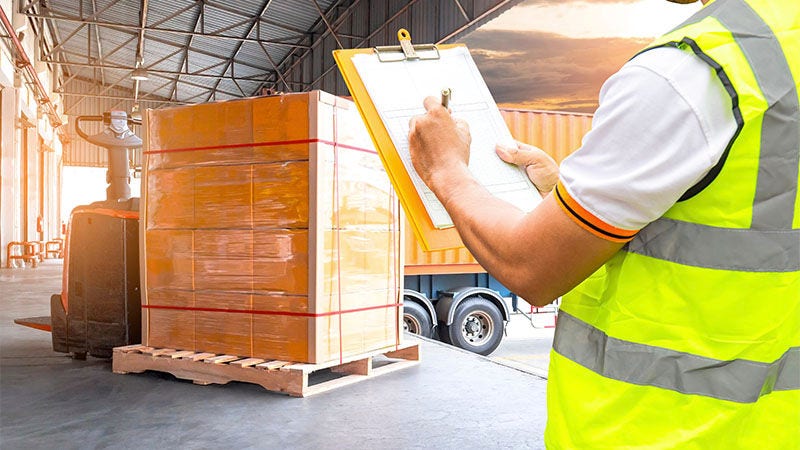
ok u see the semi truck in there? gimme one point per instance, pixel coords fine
(450, 297)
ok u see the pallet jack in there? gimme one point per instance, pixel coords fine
(99, 306)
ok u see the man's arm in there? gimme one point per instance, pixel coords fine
(538, 255)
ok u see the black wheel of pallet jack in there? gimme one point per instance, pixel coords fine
(80, 356)
(477, 326)
(416, 319)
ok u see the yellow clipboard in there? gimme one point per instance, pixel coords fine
(427, 234)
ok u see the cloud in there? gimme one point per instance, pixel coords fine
(548, 71)
(594, 19)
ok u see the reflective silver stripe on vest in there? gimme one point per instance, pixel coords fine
(773, 206)
(696, 245)
(739, 380)
(756, 249)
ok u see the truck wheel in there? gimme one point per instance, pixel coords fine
(477, 326)
(416, 320)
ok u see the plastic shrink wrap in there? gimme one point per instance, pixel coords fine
(269, 230)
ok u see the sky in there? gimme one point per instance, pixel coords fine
(556, 54)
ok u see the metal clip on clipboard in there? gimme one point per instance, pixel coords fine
(406, 51)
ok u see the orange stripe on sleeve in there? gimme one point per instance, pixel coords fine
(589, 221)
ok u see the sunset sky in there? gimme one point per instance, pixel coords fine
(555, 54)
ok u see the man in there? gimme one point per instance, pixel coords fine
(673, 235)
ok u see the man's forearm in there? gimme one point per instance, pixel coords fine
(538, 255)
(489, 228)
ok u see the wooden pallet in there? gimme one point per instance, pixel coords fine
(282, 376)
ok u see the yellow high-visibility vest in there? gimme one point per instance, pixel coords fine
(689, 337)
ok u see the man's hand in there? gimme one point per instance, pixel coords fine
(540, 167)
(503, 238)
(439, 145)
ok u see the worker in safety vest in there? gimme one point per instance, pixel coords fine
(673, 236)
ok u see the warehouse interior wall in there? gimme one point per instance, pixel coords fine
(30, 150)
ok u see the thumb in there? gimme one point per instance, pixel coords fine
(524, 155)
(541, 168)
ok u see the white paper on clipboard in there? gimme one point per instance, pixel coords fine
(397, 89)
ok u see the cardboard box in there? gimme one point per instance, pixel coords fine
(270, 230)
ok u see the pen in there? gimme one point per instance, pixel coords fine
(446, 97)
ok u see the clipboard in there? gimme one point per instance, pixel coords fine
(427, 233)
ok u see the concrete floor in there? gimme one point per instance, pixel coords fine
(47, 400)
(527, 347)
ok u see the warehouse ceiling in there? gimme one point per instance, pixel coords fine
(193, 51)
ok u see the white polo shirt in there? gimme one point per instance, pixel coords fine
(663, 122)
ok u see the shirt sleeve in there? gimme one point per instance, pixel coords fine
(663, 122)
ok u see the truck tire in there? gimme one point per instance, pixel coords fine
(477, 326)
(416, 319)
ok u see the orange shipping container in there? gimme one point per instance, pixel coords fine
(557, 133)
(270, 230)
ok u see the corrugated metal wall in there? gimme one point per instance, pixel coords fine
(559, 134)
(78, 152)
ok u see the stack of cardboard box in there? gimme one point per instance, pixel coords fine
(270, 230)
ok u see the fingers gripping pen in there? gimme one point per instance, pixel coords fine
(446, 97)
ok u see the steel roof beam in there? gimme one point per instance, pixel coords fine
(327, 24)
(166, 57)
(370, 36)
(122, 26)
(98, 43)
(477, 19)
(277, 72)
(107, 88)
(348, 12)
(118, 97)
(47, 28)
(234, 11)
(199, 21)
(197, 85)
(140, 50)
(174, 15)
(66, 82)
(142, 27)
(169, 81)
(461, 10)
(339, 21)
(117, 48)
(158, 88)
(156, 71)
(25, 8)
(239, 47)
(66, 39)
(233, 25)
(182, 47)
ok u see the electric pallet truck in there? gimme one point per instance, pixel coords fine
(99, 306)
